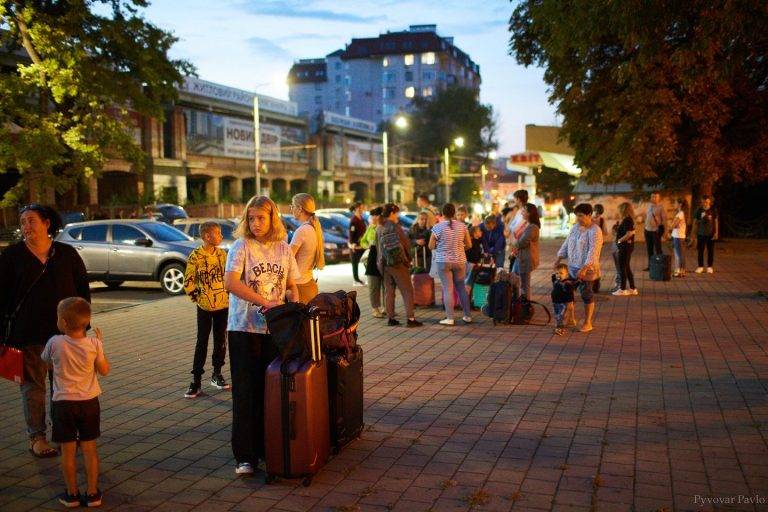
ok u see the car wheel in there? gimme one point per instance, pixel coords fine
(172, 279)
(113, 285)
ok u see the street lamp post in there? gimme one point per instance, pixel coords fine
(385, 142)
(256, 144)
(459, 143)
(400, 122)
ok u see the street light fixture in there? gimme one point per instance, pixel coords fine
(401, 122)
(459, 142)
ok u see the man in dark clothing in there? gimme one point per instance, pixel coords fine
(356, 231)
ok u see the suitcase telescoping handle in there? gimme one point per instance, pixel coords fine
(314, 338)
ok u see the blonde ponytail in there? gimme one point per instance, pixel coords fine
(307, 203)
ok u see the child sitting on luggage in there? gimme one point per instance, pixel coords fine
(563, 288)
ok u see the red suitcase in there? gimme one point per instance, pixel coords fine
(423, 284)
(296, 421)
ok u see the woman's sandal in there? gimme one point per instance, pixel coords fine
(40, 448)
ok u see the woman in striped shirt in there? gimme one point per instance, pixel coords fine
(449, 241)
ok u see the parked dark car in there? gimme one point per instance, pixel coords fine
(335, 223)
(119, 250)
(335, 248)
(168, 213)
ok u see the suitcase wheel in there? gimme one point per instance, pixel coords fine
(307, 481)
(270, 479)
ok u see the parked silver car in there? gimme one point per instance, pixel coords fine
(191, 226)
(119, 250)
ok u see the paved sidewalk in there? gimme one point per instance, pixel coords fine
(662, 407)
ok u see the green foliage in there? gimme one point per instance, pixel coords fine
(64, 112)
(453, 112)
(464, 190)
(670, 93)
(554, 184)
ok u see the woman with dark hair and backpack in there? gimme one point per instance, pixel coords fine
(527, 245)
(393, 253)
(449, 241)
(35, 274)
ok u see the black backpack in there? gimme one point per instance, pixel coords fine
(501, 295)
(523, 312)
(339, 315)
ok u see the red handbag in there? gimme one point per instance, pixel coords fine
(11, 364)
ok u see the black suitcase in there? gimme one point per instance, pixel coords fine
(660, 267)
(345, 396)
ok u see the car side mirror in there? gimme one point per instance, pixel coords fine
(143, 242)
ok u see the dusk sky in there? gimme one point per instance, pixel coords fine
(251, 44)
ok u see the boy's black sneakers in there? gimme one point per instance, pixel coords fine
(193, 391)
(412, 322)
(217, 381)
(392, 322)
(70, 500)
(93, 500)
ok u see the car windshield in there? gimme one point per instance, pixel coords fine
(329, 224)
(164, 233)
(341, 219)
(290, 222)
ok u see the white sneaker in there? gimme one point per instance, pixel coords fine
(621, 293)
(467, 319)
(446, 321)
(244, 468)
(377, 313)
(633, 291)
(710, 270)
(699, 270)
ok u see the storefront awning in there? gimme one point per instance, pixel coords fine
(561, 162)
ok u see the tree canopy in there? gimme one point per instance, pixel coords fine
(453, 112)
(87, 64)
(672, 93)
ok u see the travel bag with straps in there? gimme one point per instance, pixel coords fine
(392, 252)
(505, 306)
(339, 316)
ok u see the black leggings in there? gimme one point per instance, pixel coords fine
(249, 356)
(703, 242)
(625, 269)
(356, 255)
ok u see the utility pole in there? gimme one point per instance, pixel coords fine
(385, 143)
(256, 144)
(446, 170)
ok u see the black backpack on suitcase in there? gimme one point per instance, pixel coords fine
(660, 267)
(501, 295)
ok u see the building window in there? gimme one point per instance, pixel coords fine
(410, 92)
(318, 100)
(388, 93)
(428, 58)
(347, 81)
(428, 76)
(426, 91)
(388, 109)
(385, 62)
(338, 79)
(408, 60)
(346, 111)
(409, 76)
(337, 65)
(389, 77)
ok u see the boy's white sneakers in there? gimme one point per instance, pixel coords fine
(699, 270)
(447, 321)
(244, 468)
(710, 270)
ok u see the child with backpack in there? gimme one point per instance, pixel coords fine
(563, 297)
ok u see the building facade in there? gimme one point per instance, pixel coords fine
(375, 78)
